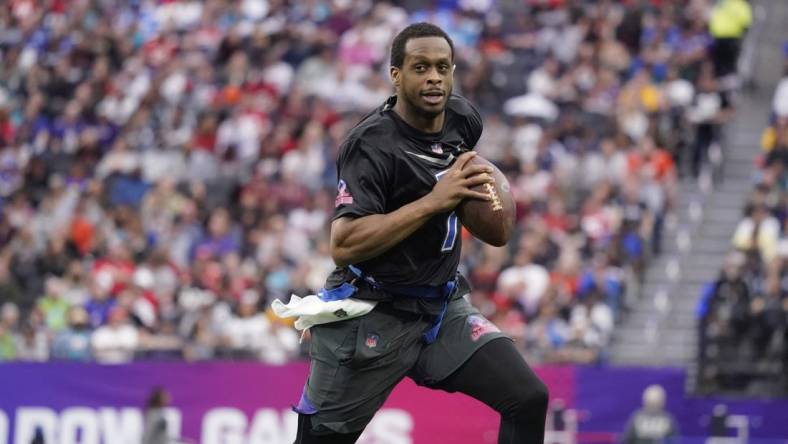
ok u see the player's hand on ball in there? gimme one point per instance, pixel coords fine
(458, 183)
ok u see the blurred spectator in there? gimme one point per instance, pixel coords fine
(637, 226)
(705, 113)
(602, 281)
(202, 340)
(9, 319)
(728, 22)
(155, 425)
(656, 171)
(557, 415)
(780, 98)
(254, 334)
(117, 341)
(38, 436)
(100, 303)
(725, 310)
(757, 234)
(52, 305)
(769, 310)
(609, 164)
(718, 425)
(651, 424)
(32, 343)
(525, 282)
(547, 332)
(73, 343)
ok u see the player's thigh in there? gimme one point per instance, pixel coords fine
(463, 331)
(354, 366)
(498, 375)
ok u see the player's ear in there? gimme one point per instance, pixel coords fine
(395, 73)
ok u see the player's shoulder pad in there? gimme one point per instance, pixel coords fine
(462, 106)
(468, 116)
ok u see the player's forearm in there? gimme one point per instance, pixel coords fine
(364, 238)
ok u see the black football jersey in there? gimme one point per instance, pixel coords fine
(384, 164)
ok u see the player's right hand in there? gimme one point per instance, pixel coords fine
(457, 183)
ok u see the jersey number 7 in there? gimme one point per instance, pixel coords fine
(451, 226)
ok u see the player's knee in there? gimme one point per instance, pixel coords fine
(529, 400)
(540, 397)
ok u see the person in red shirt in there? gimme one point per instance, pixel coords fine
(118, 265)
(651, 162)
(655, 168)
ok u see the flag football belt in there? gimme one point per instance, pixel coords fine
(440, 292)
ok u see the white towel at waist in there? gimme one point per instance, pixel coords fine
(311, 310)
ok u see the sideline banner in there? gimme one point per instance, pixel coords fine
(249, 403)
(216, 403)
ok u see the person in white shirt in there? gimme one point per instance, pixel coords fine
(115, 342)
(250, 332)
(524, 281)
(758, 232)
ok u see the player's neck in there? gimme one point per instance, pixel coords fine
(421, 122)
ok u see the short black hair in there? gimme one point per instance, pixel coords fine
(414, 31)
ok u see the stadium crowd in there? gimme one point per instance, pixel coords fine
(744, 312)
(166, 167)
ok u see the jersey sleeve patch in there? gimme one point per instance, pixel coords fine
(343, 195)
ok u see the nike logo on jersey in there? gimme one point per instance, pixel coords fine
(435, 161)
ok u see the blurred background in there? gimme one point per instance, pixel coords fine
(167, 170)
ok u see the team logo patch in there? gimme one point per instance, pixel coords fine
(343, 196)
(372, 340)
(340, 313)
(480, 327)
(436, 148)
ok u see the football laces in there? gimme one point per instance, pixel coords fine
(495, 200)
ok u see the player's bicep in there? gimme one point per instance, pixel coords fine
(340, 228)
(345, 242)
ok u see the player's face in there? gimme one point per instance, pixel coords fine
(427, 75)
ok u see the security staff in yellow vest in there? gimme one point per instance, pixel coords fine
(728, 22)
